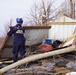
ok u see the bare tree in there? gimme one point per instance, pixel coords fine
(45, 11)
(67, 8)
(41, 13)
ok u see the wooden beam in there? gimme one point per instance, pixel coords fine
(36, 27)
(62, 23)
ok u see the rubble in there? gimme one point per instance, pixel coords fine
(47, 66)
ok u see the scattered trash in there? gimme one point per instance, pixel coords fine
(71, 65)
(70, 56)
(61, 63)
(48, 65)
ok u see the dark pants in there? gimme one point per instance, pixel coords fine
(19, 48)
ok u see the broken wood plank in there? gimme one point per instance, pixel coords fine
(61, 70)
(6, 62)
(35, 27)
(28, 69)
(70, 40)
(62, 23)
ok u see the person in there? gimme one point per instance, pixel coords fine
(19, 39)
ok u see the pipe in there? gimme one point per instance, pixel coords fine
(36, 57)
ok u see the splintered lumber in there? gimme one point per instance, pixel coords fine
(71, 37)
(61, 70)
(35, 68)
(35, 27)
(6, 62)
(36, 73)
(1, 63)
(36, 57)
(71, 40)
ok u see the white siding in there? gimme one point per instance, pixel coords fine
(62, 32)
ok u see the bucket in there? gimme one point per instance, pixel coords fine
(48, 41)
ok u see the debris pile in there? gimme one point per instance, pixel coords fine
(54, 65)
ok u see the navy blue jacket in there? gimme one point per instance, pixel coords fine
(18, 32)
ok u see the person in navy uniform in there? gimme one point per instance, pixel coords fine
(19, 39)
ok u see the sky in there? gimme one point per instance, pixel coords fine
(11, 9)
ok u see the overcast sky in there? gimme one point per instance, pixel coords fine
(15, 8)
